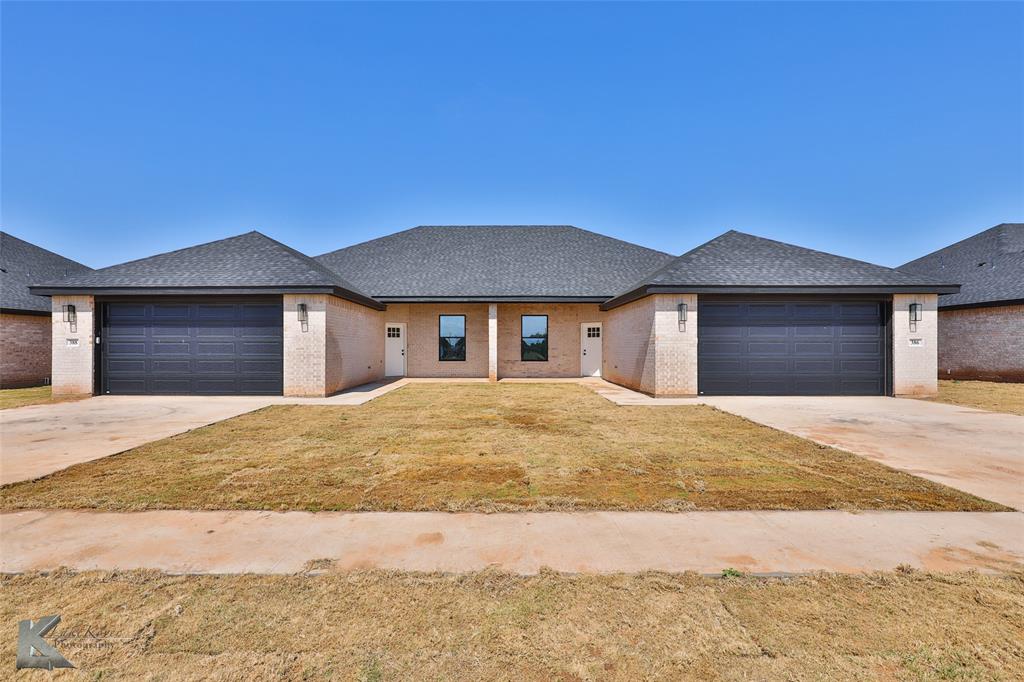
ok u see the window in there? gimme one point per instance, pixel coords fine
(593, 332)
(453, 338)
(394, 332)
(534, 340)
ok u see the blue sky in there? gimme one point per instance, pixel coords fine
(877, 131)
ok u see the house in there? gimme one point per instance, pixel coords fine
(24, 317)
(981, 328)
(737, 315)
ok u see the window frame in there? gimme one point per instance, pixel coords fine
(464, 337)
(547, 338)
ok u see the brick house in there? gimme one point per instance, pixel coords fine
(981, 328)
(25, 318)
(737, 315)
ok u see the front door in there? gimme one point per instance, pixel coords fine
(394, 349)
(590, 349)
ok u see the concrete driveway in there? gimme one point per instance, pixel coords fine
(40, 439)
(972, 450)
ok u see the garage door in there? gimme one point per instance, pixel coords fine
(762, 347)
(192, 348)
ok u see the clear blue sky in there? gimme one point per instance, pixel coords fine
(877, 131)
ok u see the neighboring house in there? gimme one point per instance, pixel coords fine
(25, 318)
(981, 328)
(737, 315)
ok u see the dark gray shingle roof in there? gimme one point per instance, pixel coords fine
(494, 261)
(23, 264)
(738, 260)
(989, 266)
(250, 260)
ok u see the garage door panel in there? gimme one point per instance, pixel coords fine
(791, 348)
(201, 347)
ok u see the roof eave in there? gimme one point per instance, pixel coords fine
(647, 290)
(492, 299)
(340, 292)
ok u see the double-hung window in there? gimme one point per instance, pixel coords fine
(452, 345)
(534, 339)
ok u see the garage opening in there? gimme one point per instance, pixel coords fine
(192, 347)
(792, 347)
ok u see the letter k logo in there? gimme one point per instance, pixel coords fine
(33, 650)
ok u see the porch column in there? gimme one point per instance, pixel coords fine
(492, 341)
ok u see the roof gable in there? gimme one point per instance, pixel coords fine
(22, 264)
(989, 266)
(496, 261)
(247, 261)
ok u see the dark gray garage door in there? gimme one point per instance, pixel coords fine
(770, 347)
(192, 348)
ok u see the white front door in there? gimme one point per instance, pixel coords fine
(394, 349)
(590, 349)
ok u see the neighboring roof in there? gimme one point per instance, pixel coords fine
(989, 266)
(494, 261)
(248, 263)
(22, 264)
(736, 262)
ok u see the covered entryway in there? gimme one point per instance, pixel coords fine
(212, 346)
(812, 346)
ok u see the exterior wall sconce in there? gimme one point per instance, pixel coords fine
(304, 317)
(70, 316)
(916, 315)
(683, 310)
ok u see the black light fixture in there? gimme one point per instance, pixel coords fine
(70, 316)
(304, 317)
(916, 315)
(683, 310)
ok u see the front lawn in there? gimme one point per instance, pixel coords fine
(485, 447)
(37, 395)
(496, 626)
(983, 395)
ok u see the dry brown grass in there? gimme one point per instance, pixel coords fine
(38, 395)
(484, 447)
(495, 626)
(983, 395)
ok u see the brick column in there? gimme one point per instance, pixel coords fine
(72, 346)
(915, 353)
(675, 345)
(492, 342)
(305, 346)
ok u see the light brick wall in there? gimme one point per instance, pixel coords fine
(564, 320)
(915, 368)
(422, 338)
(355, 344)
(646, 348)
(305, 348)
(72, 351)
(492, 341)
(675, 345)
(982, 343)
(24, 350)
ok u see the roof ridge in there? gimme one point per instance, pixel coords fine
(184, 248)
(970, 238)
(317, 265)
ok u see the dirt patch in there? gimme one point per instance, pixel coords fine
(492, 625)
(484, 447)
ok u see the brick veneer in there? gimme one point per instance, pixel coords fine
(72, 365)
(24, 350)
(422, 338)
(340, 346)
(647, 349)
(982, 343)
(564, 320)
(915, 368)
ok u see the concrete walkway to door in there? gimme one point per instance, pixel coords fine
(578, 542)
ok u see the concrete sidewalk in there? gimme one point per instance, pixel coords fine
(585, 542)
